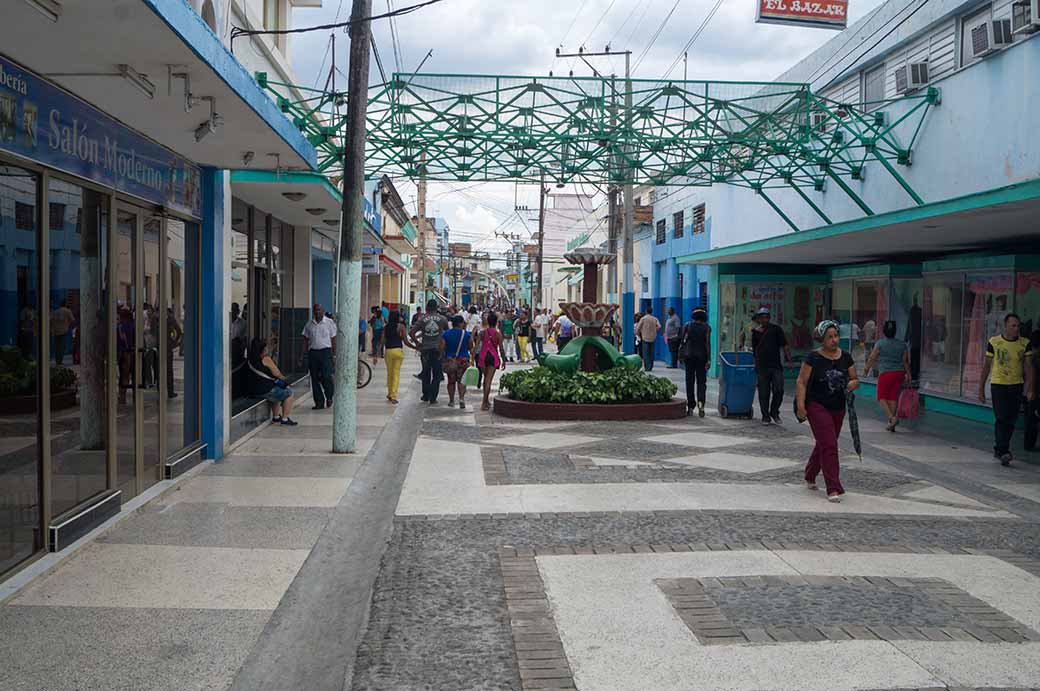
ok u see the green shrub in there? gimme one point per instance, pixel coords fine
(18, 374)
(618, 385)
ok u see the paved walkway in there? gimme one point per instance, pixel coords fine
(177, 594)
(537, 555)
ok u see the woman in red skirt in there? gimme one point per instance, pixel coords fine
(826, 376)
(893, 360)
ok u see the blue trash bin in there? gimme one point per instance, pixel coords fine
(737, 384)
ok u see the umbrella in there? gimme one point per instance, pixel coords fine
(850, 405)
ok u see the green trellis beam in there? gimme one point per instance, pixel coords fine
(577, 129)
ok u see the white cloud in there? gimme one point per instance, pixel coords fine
(520, 38)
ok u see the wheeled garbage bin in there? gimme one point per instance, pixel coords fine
(737, 384)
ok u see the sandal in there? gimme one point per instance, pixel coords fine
(834, 498)
(811, 485)
(891, 426)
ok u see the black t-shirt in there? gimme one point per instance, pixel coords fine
(697, 341)
(828, 380)
(767, 345)
(523, 329)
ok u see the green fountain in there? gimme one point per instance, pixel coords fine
(589, 352)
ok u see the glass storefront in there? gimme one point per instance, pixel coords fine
(20, 452)
(260, 271)
(962, 310)
(115, 398)
(796, 306)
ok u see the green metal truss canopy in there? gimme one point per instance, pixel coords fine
(763, 136)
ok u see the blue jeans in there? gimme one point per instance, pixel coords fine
(648, 355)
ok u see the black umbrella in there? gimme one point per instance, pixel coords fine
(850, 406)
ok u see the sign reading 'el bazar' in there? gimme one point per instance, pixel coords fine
(827, 14)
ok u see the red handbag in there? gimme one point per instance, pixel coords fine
(909, 406)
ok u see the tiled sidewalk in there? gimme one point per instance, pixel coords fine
(175, 595)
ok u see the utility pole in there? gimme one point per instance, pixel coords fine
(348, 296)
(628, 297)
(421, 210)
(541, 237)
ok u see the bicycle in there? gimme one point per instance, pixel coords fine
(364, 373)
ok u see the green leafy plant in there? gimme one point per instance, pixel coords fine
(18, 374)
(618, 385)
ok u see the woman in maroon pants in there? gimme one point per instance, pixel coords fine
(826, 376)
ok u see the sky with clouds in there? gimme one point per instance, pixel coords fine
(520, 37)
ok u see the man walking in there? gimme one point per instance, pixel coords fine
(564, 332)
(1009, 358)
(319, 342)
(673, 336)
(767, 342)
(429, 332)
(648, 328)
(540, 332)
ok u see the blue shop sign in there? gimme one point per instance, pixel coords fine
(373, 219)
(41, 122)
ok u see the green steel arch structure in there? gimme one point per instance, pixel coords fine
(763, 136)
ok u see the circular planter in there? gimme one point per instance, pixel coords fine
(526, 410)
(22, 405)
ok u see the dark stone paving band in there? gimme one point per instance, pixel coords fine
(955, 615)
(543, 663)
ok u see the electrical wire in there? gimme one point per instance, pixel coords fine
(599, 21)
(324, 59)
(653, 39)
(848, 39)
(693, 38)
(627, 20)
(887, 34)
(639, 22)
(238, 31)
(398, 59)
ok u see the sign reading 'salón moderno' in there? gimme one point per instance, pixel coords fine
(46, 124)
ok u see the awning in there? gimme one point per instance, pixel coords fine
(394, 266)
(1005, 218)
(82, 52)
(279, 194)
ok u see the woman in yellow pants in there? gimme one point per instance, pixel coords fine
(394, 337)
(522, 328)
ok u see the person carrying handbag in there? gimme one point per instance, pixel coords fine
(456, 342)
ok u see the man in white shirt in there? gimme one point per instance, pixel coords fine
(541, 331)
(472, 320)
(319, 342)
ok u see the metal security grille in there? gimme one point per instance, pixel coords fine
(662, 232)
(677, 224)
(698, 219)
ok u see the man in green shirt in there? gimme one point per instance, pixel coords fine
(506, 320)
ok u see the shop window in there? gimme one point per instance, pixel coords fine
(941, 353)
(24, 216)
(238, 319)
(56, 219)
(19, 331)
(987, 300)
(795, 307)
(905, 310)
(661, 232)
(869, 314)
(677, 224)
(697, 218)
(1027, 300)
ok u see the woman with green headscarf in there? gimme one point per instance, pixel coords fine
(827, 374)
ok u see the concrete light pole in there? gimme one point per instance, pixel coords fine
(344, 427)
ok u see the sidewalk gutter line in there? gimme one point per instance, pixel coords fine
(49, 562)
(311, 639)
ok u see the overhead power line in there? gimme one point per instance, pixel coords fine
(693, 38)
(657, 33)
(239, 31)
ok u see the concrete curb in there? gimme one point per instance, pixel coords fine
(311, 640)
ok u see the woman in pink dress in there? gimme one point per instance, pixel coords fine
(489, 355)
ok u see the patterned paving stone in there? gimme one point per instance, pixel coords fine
(440, 619)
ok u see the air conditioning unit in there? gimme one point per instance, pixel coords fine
(911, 76)
(990, 36)
(1025, 17)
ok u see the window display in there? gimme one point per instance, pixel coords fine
(796, 307)
(987, 300)
(941, 353)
